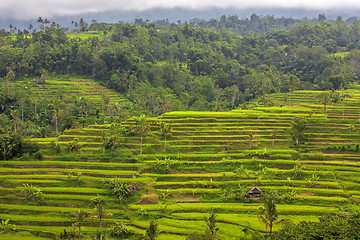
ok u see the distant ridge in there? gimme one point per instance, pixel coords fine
(175, 14)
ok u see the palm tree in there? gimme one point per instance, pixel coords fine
(234, 95)
(269, 214)
(56, 104)
(292, 87)
(15, 118)
(21, 105)
(165, 130)
(40, 20)
(4, 149)
(142, 129)
(211, 224)
(152, 232)
(79, 219)
(82, 25)
(99, 205)
(325, 100)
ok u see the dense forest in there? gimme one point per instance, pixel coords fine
(164, 66)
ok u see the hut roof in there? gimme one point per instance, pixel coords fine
(255, 190)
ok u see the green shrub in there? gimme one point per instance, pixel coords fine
(164, 165)
(32, 193)
(38, 155)
(120, 189)
(13, 145)
(74, 145)
(119, 230)
(5, 226)
(330, 226)
(298, 170)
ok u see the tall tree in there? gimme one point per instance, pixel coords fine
(298, 125)
(79, 218)
(165, 131)
(325, 100)
(235, 92)
(35, 99)
(142, 129)
(292, 87)
(21, 105)
(57, 111)
(15, 118)
(269, 215)
(82, 25)
(99, 205)
(116, 130)
(6, 148)
(105, 102)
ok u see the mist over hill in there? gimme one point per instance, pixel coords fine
(183, 14)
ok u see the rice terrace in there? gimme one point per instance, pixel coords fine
(180, 131)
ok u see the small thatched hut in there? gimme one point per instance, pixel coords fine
(255, 192)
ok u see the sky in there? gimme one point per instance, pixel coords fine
(32, 9)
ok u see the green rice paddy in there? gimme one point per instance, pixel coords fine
(212, 160)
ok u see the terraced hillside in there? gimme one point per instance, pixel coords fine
(81, 88)
(211, 160)
(342, 104)
(68, 183)
(216, 166)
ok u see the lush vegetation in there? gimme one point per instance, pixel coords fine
(91, 146)
(160, 67)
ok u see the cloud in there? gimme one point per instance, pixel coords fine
(31, 9)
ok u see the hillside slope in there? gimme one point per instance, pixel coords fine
(211, 160)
